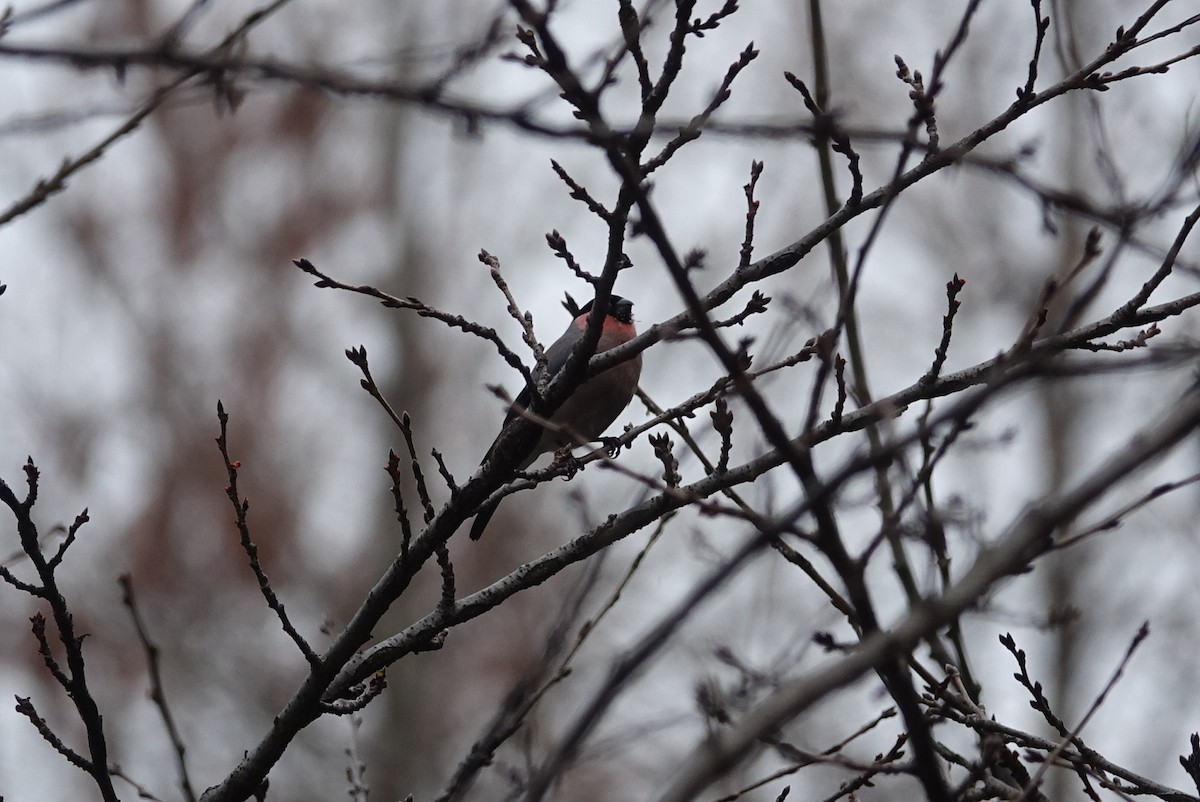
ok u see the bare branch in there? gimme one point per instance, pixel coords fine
(241, 509)
(158, 694)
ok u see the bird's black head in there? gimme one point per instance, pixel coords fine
(618, 307)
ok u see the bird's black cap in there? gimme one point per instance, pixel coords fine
(618, 307)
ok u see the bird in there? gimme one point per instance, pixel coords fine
(594, 404)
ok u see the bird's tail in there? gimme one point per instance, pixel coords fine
(488, 510)
(481, 519)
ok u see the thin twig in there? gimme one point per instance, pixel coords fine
(157, 692)
(241, 509)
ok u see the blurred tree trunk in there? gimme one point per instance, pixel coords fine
(1065, 406)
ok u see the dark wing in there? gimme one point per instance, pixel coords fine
(556, 357)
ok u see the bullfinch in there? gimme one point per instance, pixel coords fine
(594, 404)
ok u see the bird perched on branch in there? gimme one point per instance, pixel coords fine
(594, 404)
